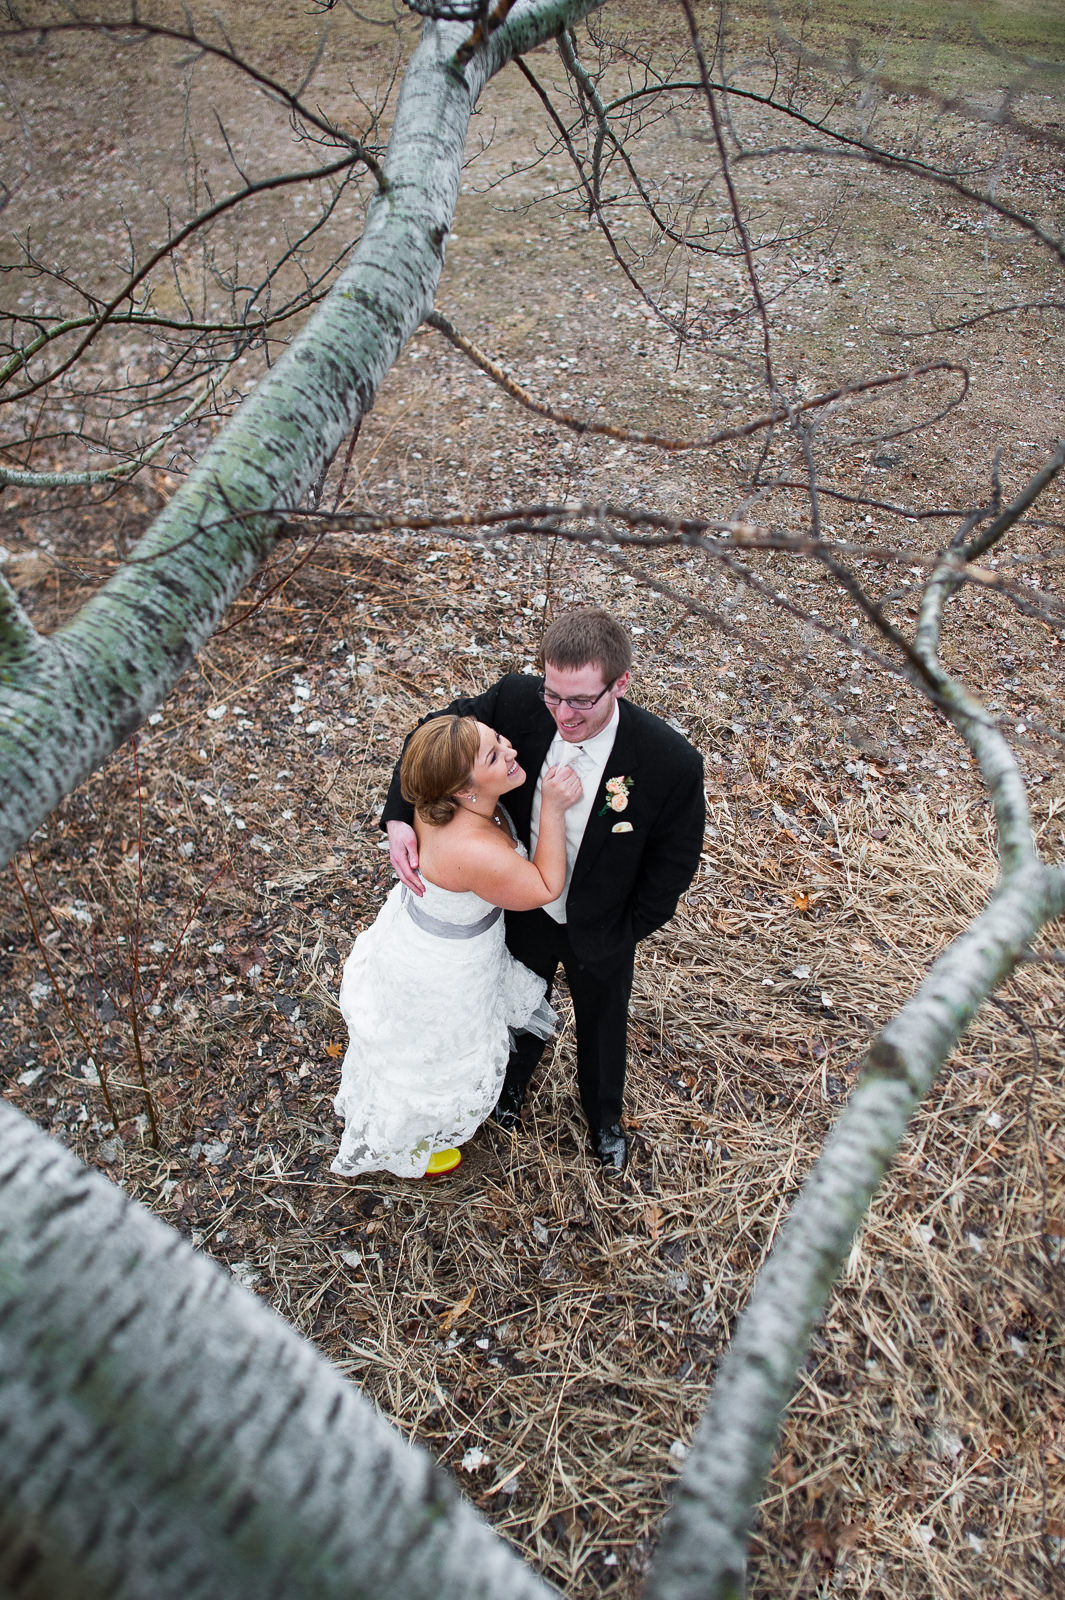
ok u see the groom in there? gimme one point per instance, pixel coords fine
(632, 846)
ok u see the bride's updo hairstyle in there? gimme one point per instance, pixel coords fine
(438, 761)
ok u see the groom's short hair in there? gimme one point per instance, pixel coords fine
(588, 637)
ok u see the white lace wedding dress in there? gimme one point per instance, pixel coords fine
(429, 994)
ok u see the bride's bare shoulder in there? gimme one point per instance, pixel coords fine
(456, 855)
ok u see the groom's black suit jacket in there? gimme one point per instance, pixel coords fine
(626, 881)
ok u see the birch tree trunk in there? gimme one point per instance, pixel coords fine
(163, 1434)
(67, 700)
(703, 1552)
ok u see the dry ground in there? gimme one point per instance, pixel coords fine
(549, 1336)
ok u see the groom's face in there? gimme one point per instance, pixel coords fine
(577, 723)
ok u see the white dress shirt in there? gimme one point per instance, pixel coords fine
(588, 761)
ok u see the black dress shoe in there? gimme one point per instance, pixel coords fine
(507, 1114)
(610, 1146)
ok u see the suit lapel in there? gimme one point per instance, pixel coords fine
(532, 746)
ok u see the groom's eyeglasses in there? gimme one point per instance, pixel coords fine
(580, 702)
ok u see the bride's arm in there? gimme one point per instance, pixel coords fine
(560, 789)
(488, 865)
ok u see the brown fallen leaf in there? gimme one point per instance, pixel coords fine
(249, 961)
(459, 1309)
(816, 1537)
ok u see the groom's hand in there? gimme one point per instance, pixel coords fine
(403, 854)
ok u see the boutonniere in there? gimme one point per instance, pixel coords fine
(617, 795)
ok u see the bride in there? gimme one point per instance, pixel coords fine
(430, 991)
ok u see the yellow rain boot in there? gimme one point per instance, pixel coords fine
(443, 1161)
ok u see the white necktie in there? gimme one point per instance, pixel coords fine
(574, 756)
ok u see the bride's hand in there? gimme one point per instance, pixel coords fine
(561, 788)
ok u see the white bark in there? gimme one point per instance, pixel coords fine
(160, 1433)
(69, 701)
(164, 1436)
(703, 1549)
(702, 1555)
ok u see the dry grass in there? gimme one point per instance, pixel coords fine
(564, 1328)
(550, 1336)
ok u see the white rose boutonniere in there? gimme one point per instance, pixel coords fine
(617, 795)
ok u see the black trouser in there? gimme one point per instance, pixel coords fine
(600, 1014)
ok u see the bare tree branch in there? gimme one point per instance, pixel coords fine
(746, 430)
(263, 186)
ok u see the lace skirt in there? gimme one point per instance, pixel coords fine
(429, 1017)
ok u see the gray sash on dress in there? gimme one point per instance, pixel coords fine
(448, 930)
